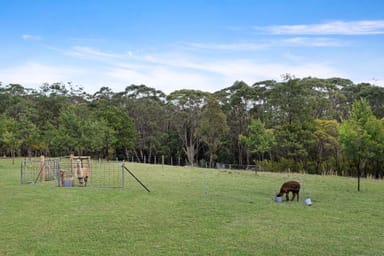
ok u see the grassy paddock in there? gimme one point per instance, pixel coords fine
(190, 211)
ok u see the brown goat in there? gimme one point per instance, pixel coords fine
(290, 186)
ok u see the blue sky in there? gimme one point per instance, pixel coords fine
(205, 45)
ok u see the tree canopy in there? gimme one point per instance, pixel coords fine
(310, 124)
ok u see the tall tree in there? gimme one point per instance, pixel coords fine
(147, 107)
(80, 131)
(238, 101)
(326, 145)
(187, 106)
(119, 133)
(290, 110)
(375, 129)
(375, 97)
(356, 137)
(259, 140)
(10, 138)
(212, 126)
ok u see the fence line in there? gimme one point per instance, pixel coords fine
(66, 173)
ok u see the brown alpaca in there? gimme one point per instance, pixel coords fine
(82, 174)
(62, 174)
(290, 186)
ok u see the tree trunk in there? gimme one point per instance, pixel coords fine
(358, 181)
(13, 156)
(358, 175)
(190, 150)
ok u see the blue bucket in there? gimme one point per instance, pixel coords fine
(68, 183)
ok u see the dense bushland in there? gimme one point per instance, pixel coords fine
(309, 124)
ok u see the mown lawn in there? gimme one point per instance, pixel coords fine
(190, 211)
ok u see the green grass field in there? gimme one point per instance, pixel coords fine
(191, 211)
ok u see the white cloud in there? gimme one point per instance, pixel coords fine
(162, 78)
(91, 53)
(374, 81)
(271, 43)
(179, 69)
(168, 73)
(230, 46)
(252, 71)
(363, 27)
(312, 42)
(245, 66)
(30, 37)
(34, 74)
(378, 82)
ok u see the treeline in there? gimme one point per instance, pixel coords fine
(310, 124)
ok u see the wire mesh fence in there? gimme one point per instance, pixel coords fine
(73, 172)
(107, 174)
(35, 170)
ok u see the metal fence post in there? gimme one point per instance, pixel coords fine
(122, 175)
(21, 171)
(59, 181)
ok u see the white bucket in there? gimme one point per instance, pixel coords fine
(279, 199)
(308, 201)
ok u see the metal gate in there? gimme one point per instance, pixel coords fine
(34, 171)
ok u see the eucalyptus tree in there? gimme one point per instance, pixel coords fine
(187, 107)
(261, 98)
(104, 93)
(290, 111)
(326, 146)
(6, 98)
(77, 94)
(50, 100)
(143, 91)
(340, 101)
(320, 95)
(375, 97)
(30, 137)
(375, 127)
(120, 133)
(212, 126)
(10, 138)
(147, 107)
(3, 129)
(15, 101)
(238, 102)
(21, 108)
(288, 101)
(80, 131)
(259, 140)
(16, 90)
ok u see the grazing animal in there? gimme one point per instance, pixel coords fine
(290, 186)
(62, 174)
(82, 174)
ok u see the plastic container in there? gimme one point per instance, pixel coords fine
(279, 199)
(68, 183)
(308, 201)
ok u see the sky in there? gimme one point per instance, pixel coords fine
(201, 44)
